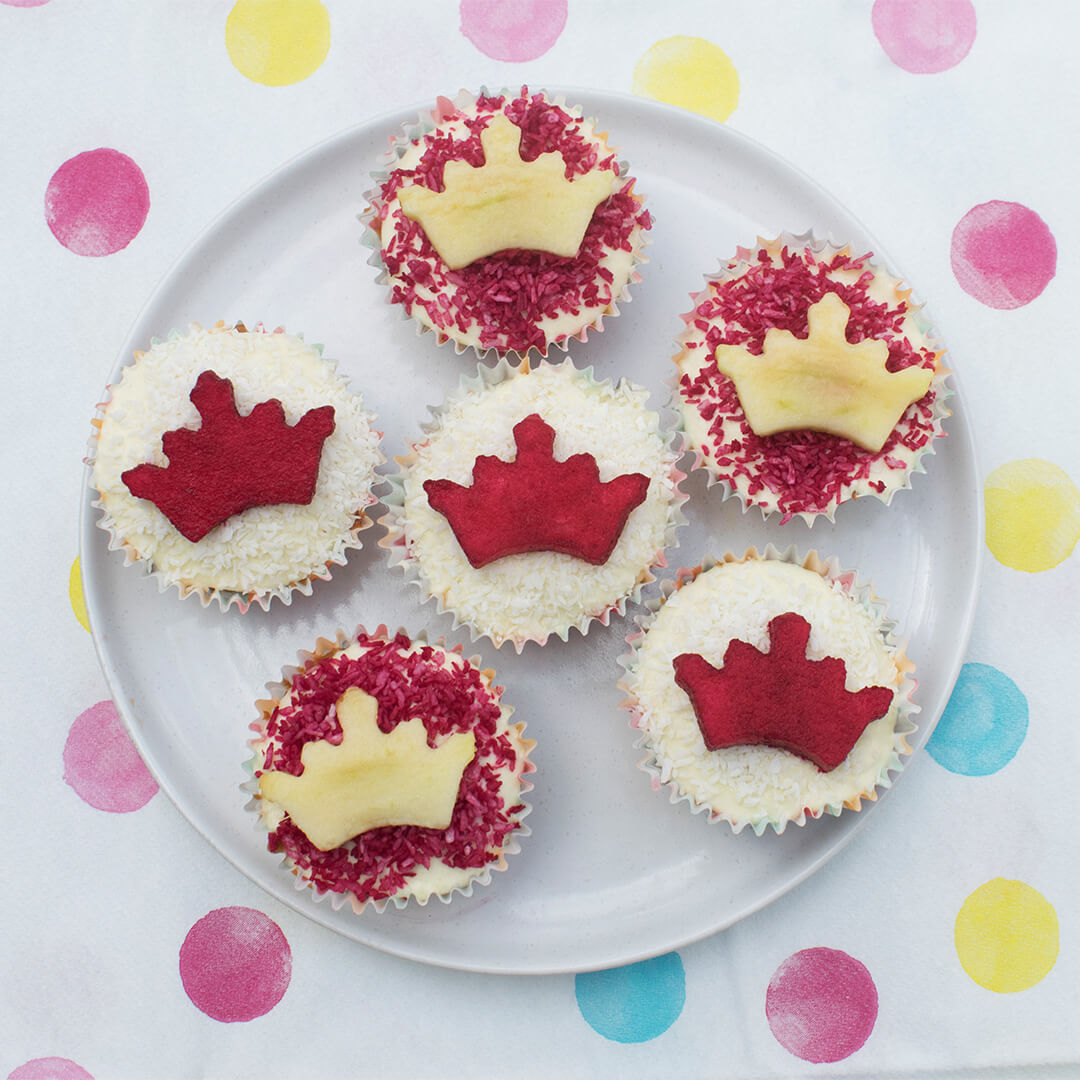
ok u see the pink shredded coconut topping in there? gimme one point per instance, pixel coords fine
(802, 471)
(506, 295)
(376, 864)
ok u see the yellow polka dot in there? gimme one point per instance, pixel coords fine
(1032, 514)
(1007, 936)
(690, 72)
(277, 42)
(78, 603)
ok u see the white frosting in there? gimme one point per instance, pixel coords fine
(619, 262)
(265, 547)
(529, 596)
(883, 289)
(735, 601)
(436, 878)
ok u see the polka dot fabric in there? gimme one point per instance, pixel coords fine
(50, 1068)
(636, 1003)
(689, 72)
(1032, 514)
(102, 765)
(937, 942)
(277, 42)
(983, 725)
(235, 964)
(924, 36)
(1003, 254)
(513, 29)
(1007, 936)
(821, 1005)
(96, 202)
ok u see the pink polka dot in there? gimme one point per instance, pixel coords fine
(50, 1068)
(101, 764)
(235, 964)
(821, 1004)
(513, 29)
(924, 36)
(1003, 254)
(96, 202)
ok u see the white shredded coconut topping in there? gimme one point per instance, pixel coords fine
(529, 596)
(265, 547)
(736, 601)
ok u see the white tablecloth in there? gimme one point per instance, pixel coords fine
(99, 897)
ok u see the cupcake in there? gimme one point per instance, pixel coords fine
(504, 222)
(538, 500)
(769, 689)
(386, 769)
(235, 464)
(806, 377)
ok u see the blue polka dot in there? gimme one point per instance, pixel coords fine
(635, 1003)
(983, 725)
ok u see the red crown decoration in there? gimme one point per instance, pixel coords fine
(535, 503)
(232, 462)
(780, 698)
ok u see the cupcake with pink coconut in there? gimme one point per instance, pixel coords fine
(386, 769)
(505, 222)
(807, 377)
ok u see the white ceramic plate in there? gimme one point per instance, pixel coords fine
(612, 871)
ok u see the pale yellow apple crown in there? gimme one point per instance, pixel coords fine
(506, 202)
(371, 779)
(823, 383)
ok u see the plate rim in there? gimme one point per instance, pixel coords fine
(296, 898)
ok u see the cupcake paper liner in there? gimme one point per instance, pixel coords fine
(426, 122)
(862, 593)
(325, 647)
(223, 597)
(393, 520)
(733, 268)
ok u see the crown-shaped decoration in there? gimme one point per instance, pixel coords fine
(823, 382)
(535, 503)
(506, 202)
(371, 779)
(780, 698)
(232, 462)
